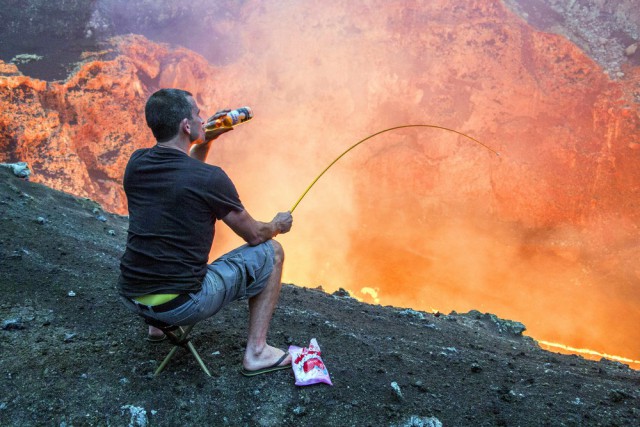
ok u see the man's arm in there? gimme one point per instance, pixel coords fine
(255, 232)
(200, 151)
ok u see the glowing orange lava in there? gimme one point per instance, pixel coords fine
(589, 354)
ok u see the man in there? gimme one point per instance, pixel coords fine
(174, 201)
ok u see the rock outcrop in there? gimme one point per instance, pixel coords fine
(78, 134)
(536, 97)
(604, 29)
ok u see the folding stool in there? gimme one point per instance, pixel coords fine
(179, 337)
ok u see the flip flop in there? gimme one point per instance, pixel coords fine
(275, 367)
(156, 338)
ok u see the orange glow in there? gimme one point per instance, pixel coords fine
(589, 354)
(546, 234)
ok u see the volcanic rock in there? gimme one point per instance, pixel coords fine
(20, 169)
(77, 135)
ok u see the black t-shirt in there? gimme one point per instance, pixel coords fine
(174, 202)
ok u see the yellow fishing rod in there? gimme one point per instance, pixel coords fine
(378, 133)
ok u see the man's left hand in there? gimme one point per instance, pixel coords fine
(213, 134)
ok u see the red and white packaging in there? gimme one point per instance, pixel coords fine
(308, 366)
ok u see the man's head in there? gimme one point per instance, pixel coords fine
(165, 111)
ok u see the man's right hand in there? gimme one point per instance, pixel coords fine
(255, 232)
(283, 222)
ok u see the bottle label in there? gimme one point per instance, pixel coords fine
(239, 115)
(231, 119)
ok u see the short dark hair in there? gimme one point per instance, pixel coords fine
(165, 110)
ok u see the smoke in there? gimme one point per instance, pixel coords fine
(551, 281)
(423, 218)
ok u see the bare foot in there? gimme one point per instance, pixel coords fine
(266, 358)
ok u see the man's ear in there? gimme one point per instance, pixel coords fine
(185, 126)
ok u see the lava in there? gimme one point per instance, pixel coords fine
(591, 354)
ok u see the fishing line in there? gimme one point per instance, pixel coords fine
(378, 133)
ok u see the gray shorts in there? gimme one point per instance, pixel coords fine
(239, 274)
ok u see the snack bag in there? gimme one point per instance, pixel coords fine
(307, 365)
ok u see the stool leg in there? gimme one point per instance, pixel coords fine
(166, 360)
(197, 356)
(184, 332)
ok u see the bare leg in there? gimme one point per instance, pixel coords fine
(258, 353)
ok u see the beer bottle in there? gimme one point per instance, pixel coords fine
(232, 118)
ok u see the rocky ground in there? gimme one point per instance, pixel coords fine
(72, 355)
